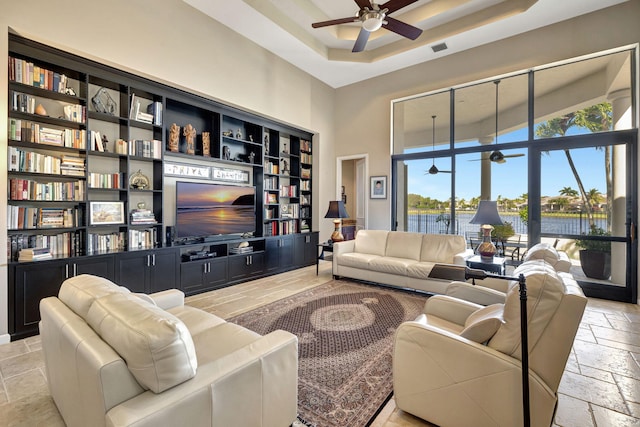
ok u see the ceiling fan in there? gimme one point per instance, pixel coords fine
(373, 16)
(497, 156)
(434, 169)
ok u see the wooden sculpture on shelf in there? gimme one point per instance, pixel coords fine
(206, 144)
(189, 133)
(174, 137)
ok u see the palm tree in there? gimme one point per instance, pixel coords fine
(594, 118)
(568, 192)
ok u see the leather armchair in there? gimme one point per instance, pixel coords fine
(458, 364)
(491, 290)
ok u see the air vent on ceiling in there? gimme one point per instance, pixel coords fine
(439, 47)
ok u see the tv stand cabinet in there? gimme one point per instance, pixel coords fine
(127, 175)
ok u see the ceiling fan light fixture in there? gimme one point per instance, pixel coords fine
(372, 20)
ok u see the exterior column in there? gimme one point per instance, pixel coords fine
(621, 111)
(485, 170)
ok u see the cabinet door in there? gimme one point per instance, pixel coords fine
(306, 248)
(164, 271)
(287, 252)
(132, 270)
(33, 282)
(272, 255)
(216, 274)
(192, 276)
(103, 266)
(243, 266)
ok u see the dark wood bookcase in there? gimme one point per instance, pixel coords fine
(111, 130)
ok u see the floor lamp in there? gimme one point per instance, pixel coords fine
(461, 273)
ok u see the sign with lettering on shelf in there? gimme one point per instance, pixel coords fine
(231, 175)
(187, 171)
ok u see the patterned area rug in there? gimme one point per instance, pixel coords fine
(345, 332)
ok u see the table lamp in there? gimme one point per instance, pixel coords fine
(487, 215)
(337, 210)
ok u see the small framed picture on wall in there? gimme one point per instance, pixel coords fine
(378, 186)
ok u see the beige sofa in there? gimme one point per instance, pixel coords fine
(114, 358)
(399, 258)
(458, 364)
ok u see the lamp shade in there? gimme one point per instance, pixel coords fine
(487, 213)
(336, 210)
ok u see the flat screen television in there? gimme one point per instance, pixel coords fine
(206, 210)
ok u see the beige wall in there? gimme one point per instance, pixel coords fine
(171, 42)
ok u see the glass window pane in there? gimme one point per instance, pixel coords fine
(475, 112)
(580, 98)
(423, 199)
(412, 123)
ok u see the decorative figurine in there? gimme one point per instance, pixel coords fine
(252, 157)
(285, 167)
(250, 138)
(266, 143)
(284, 148)
(239, 134)
(228, 133)
(174, 137)
(190, 134)
(105, 143)
(206, 144)
(226, 153)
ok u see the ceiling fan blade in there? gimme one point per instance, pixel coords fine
(514, 155)
(363, 3)
(394, 5)
(335, 22)
(361, 42)
(399, 27)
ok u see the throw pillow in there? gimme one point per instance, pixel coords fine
(483, 324)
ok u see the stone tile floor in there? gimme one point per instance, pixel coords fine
(600, 387)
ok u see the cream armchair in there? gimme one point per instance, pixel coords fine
(491, 290)
(458, 364)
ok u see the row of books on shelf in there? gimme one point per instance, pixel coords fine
(270, 182)
(305, 185)
(305, 173)
(105, 180)
(305, 158)
(65, 244)
(270, 198)
(305, 199)
(34, 162)
(305, 146)
(288, 191)
(280, 228)
(25, 217)
(143, 239)
(98, 243)
(142, 216)
(152, 115)
(26, 189)
(289, 210)
(271, 167)
(26, 72)
(144, 148)
(28, 131)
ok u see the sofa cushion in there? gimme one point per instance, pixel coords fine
(401, 244)
(441, 247)
(391, 265)
(156, 345)
(483, 324)
(371, 242)
(420, 270)
(356, 260)
(79, 292)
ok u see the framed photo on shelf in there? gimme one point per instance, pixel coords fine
(104, 213)
(378, 187)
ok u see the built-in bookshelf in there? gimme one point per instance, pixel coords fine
(88, 146)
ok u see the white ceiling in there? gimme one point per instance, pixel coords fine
(284, 28)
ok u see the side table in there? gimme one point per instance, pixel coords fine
(494, 266)
(324, 247)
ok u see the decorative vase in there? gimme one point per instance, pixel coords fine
(487, 249)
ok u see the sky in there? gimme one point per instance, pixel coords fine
(509, 180)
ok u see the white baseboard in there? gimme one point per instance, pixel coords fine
(5, 339)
